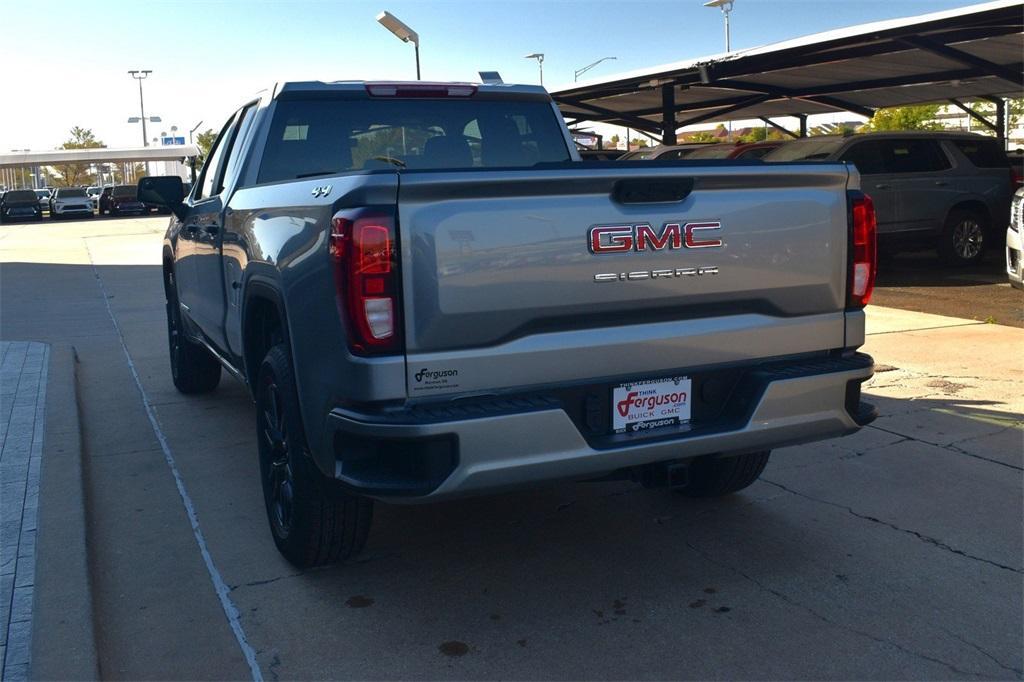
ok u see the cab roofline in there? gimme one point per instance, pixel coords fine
(359, 86)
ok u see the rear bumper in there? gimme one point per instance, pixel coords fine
(424, 454)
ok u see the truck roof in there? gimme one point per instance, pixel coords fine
(361, 85)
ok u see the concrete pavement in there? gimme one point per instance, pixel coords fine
(894, 553)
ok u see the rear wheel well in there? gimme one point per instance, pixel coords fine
(263, 329)
(974, 206)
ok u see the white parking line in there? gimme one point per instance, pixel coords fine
(221, 587)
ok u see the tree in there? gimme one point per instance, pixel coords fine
(204, 141)
(75, 174)
(1014, 113)
(923, 117)
(613, 141)
(702, 136)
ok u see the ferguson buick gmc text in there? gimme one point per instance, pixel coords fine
(430, 296)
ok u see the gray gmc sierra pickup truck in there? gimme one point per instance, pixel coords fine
(429, 296)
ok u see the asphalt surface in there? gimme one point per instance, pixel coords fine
(918, 281)
(894, 553)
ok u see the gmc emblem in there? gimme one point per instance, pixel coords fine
(642, 237)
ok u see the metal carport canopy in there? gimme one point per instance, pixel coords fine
(967, 53)
(97, 155)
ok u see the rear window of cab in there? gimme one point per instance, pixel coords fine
(326, 136)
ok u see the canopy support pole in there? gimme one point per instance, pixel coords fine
(668, 114)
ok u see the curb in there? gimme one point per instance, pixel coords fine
(63, 638)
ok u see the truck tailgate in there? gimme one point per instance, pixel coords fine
(502, 287)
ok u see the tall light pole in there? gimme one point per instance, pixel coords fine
(539, 56)
(402, 32)
(588, 67)
(192, 131)
(726, 7)
(141, 76)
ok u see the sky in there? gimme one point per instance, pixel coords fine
(208, 57)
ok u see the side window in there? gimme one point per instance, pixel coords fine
(983, 153)
(866, 156)
(916, 156)
(211, 168)
(234, 159)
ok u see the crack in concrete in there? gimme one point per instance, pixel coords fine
(952, 447)
(985, 653)
(257, 583)
(920, 536)
(849, 628)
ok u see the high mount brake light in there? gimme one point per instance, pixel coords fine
(420, 89)
(363, 250)
(864, 251)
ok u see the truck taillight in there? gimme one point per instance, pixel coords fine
(364, 252)
(863, 251)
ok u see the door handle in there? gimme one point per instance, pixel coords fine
(883, 186)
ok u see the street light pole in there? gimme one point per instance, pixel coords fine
(726, 7)
(539, 56)
(588, 67)
(402, 32)
(142, 106)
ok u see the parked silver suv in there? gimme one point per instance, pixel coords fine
(950, 190)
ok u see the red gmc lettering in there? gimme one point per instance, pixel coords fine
(692, 241)
(670, 236)
(620, 238)
(643, 237)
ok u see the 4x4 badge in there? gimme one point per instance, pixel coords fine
(321, 191)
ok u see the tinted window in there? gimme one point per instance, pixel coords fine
(807, 149)
(711, 152)
(245, 120)
(754, 153)
(311, 137)
(915, 156)
(20, 195)
(70, 193)
(211, 168)
(868, 156)
(122, 191)
(983, 153)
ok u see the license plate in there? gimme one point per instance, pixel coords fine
(643, 405)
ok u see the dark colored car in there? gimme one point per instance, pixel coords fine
(121, 199)
(600, 154)
(663, 152)
(20, 204)
(942, 189)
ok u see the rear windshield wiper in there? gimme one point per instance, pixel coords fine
(314, 174)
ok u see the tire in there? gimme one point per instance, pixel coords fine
(312, 520)
(193, 369)
(712, 476)
(964, 237)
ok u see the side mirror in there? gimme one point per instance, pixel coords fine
(163, 190)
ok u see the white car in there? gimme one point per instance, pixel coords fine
(1015, 241)
(70, 201)
(94, 195)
